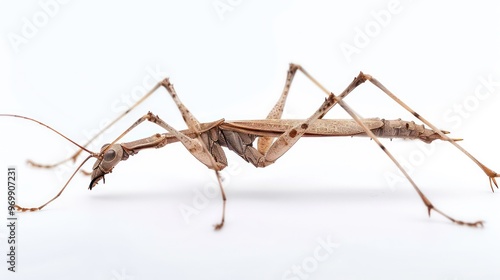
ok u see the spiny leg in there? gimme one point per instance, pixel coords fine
(203, 154)
(425, 200)
(263, 143)
(291, 136)
(278, 108)
(99, 170)
(339, 99)
(490, 173)
(193, 145)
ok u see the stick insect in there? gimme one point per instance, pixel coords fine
(274, 135)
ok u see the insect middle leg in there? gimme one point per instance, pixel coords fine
(263, 143)
(203, 155)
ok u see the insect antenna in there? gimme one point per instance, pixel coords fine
(91, 155)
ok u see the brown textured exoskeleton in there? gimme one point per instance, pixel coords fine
(275, 137)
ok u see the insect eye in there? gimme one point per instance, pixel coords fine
(109, 155)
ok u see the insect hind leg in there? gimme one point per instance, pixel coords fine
(492, 175)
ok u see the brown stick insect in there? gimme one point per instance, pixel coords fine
(275, 137)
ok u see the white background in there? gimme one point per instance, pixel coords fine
(76, 65)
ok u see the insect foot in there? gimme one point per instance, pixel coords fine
(218, 226)
(458, 222)
(22, 209)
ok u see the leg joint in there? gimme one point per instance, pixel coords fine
(166, 83)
